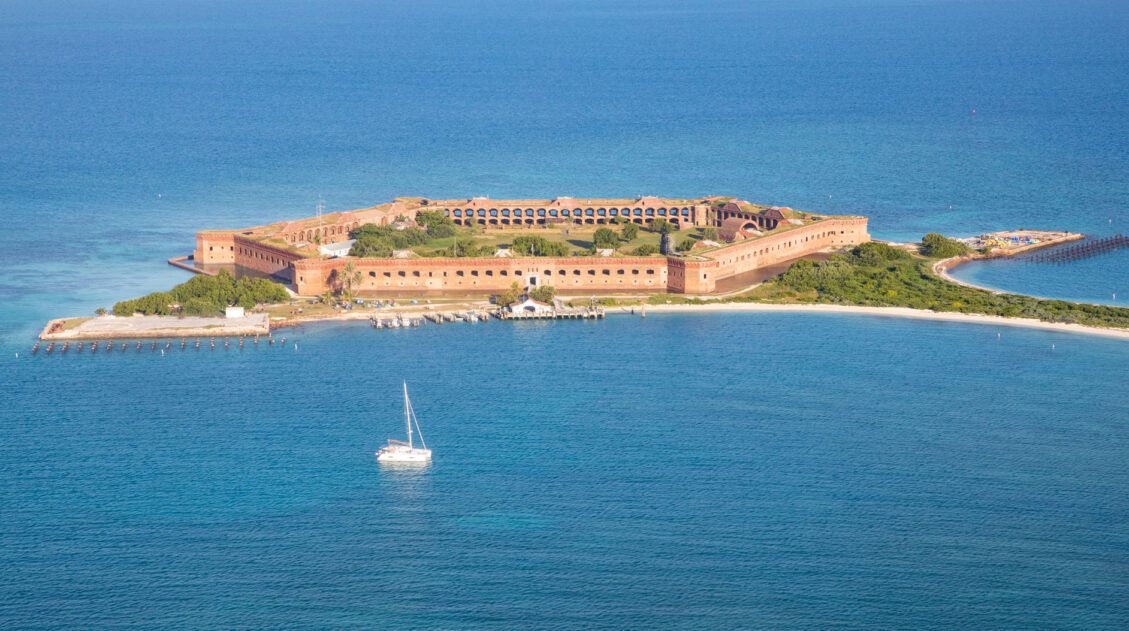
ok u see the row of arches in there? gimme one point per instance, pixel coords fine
(335, 232)
(547, 273)
(601, 221)
(576, 212)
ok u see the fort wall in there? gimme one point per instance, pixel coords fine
(263, 257)
(433, 276)
(691, 277)
(215, 248)
(695, 274)
(751, 254)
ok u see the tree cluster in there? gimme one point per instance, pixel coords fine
(529, 245)
(661, 226)
(544, 293)
(437, 224)
(466, 248)
(605, 238)
(205, 296)
(509, 296)
(373, 247)
(939, 246)
(400, 239)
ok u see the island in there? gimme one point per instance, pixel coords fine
(572, 257)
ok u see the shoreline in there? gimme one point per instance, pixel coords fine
(941, 269)
(767, 307)
(896, 312)
(623, 310)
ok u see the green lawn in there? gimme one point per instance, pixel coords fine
(578, 238)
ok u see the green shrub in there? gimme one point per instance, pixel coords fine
(510, 296)
(544, 293)
(528, 245)
(205, 295)
(467, 247)
(605, 238)
(939, 246)
(400, 239)
(439, 225)
(647, 249)
(874, 253)
(372, 246)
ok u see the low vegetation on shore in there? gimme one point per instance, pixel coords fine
(205, 296)
(878, 275)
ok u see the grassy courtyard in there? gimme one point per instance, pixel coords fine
(578, 239)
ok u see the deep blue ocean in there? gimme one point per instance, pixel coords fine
(682, 471)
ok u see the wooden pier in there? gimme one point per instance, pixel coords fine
(1079, 251)
(163, 346)
(586, 313)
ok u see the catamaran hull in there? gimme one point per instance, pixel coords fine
(418, 455)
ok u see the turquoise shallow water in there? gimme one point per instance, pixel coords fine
(682, 471)
(785, 471)
(1100, 279)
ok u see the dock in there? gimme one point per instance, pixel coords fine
(581, 313)
(187, 263)
(111, 335)
(1079, 251)
(1016, 242)
(162, 346)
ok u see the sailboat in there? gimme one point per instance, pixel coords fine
(399, 451)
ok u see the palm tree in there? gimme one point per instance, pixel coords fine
(350, 277)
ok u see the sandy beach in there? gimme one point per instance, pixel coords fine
(889, 312)
(894, 312)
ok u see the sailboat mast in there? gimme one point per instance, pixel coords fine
(407, 415)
